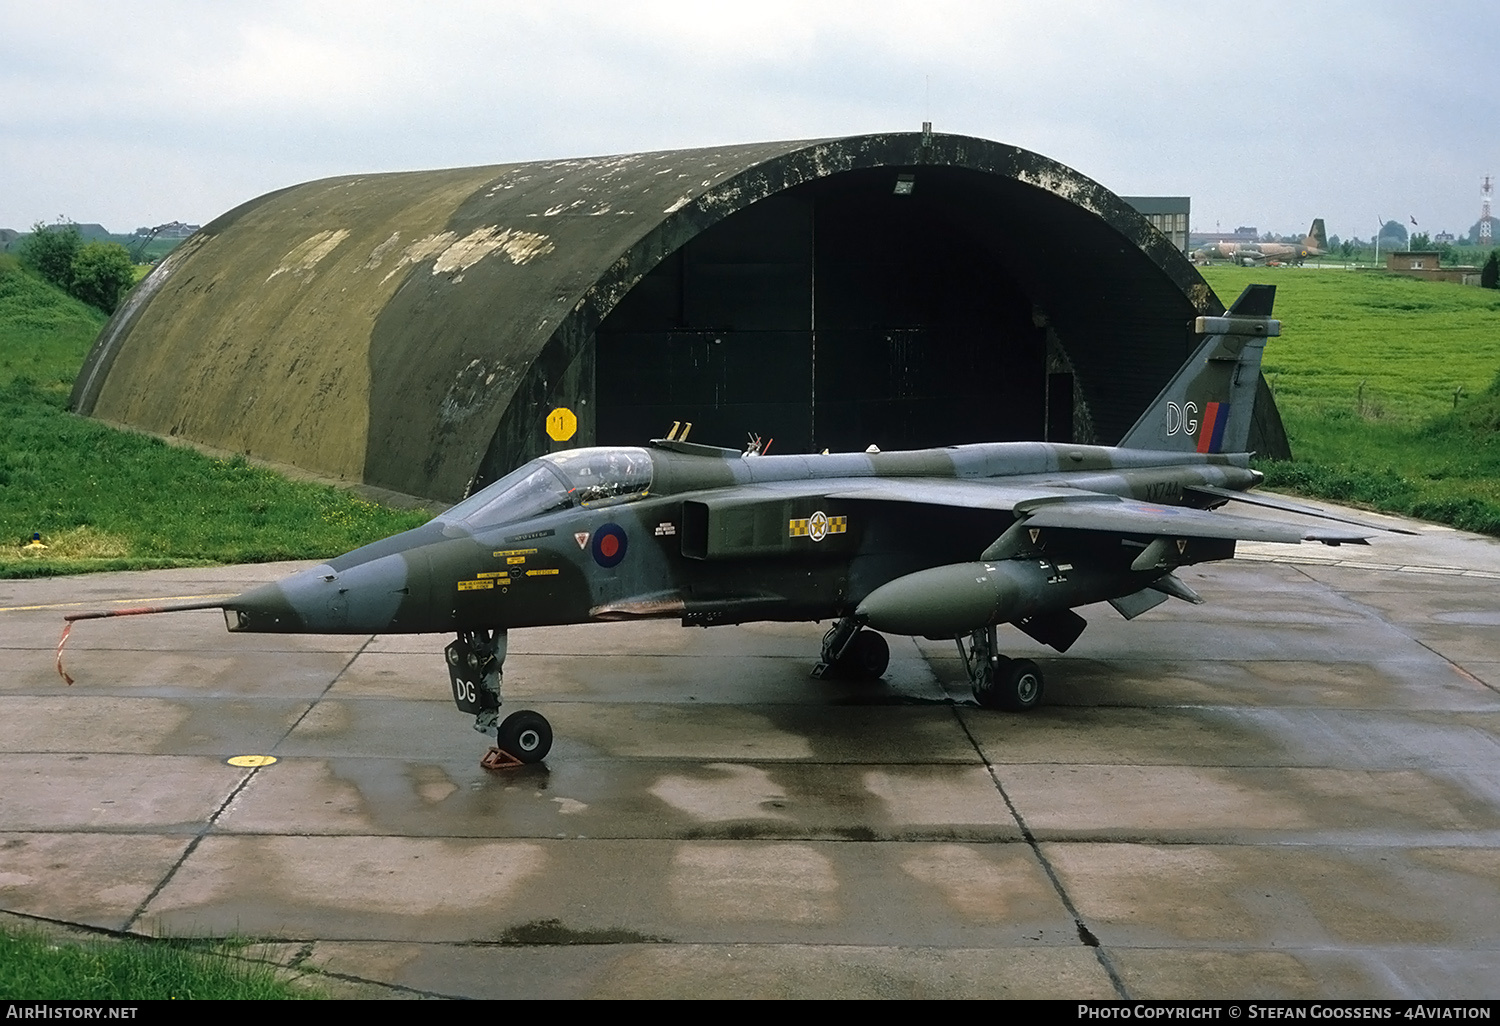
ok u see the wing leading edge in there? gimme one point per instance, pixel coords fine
(1079, 510)
(968, 494)
(1127, 516)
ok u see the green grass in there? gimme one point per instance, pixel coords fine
(1365, 375)
(34, 968)
(44, 332)
(105, 499)
(1408, 342)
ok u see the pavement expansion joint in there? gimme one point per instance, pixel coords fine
(244, 782)
(1085, 936)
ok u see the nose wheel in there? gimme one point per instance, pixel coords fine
(525, 735)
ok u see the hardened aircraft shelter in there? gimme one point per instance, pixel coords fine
(416, 331)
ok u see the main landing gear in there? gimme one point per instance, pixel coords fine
(850, 653)
(475, 669)
(1015, 685)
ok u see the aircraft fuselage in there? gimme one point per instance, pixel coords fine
(724, 539)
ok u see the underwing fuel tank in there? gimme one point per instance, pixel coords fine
(949, 601)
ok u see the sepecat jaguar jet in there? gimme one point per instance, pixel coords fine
(942, 543)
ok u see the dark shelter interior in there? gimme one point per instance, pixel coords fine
(849, 311)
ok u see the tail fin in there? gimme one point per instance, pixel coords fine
(1317, 236)
(1208, 404)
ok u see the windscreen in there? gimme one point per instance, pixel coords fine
(579, 477)
(526, 492)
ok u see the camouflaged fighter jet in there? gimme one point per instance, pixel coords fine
(943, 543)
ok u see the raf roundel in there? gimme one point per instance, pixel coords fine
(609, 545)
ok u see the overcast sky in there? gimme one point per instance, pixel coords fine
(1266, 114)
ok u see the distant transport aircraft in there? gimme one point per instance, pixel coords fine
(1314, 243)
(946, 543)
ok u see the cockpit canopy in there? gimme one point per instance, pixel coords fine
(578, 477)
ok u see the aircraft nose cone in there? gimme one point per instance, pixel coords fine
(360, 599)
(262, 610)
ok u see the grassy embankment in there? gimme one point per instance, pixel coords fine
(104, 499)
(1365, 374)
(34, 968)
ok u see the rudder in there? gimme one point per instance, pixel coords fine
(1317, 236)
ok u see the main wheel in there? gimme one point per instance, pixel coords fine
(985, 677)
(527, 735)
(868, 655)
(1018, 686)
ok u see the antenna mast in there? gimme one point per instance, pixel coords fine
(1486, 233)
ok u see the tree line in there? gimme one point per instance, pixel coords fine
(99, 273)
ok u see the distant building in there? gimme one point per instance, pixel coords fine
(1444, 237)
(1412, 260)
(1244, 233)
(173, 230)
(1167, 214)
(1424, 264)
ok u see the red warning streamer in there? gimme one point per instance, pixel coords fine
(67, 629)
(72, 618)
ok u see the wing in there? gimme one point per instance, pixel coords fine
(1287, 506)
(1127, 516)
(1112, 549)
(965, 493)
(1073, 508)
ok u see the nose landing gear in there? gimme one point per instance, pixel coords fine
(476, 663)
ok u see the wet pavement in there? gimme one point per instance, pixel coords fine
(1293, 790)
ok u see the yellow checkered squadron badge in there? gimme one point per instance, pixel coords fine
(817, 526)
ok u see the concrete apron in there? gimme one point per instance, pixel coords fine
(1293, 790)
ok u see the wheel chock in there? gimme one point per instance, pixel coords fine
(499, 759)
